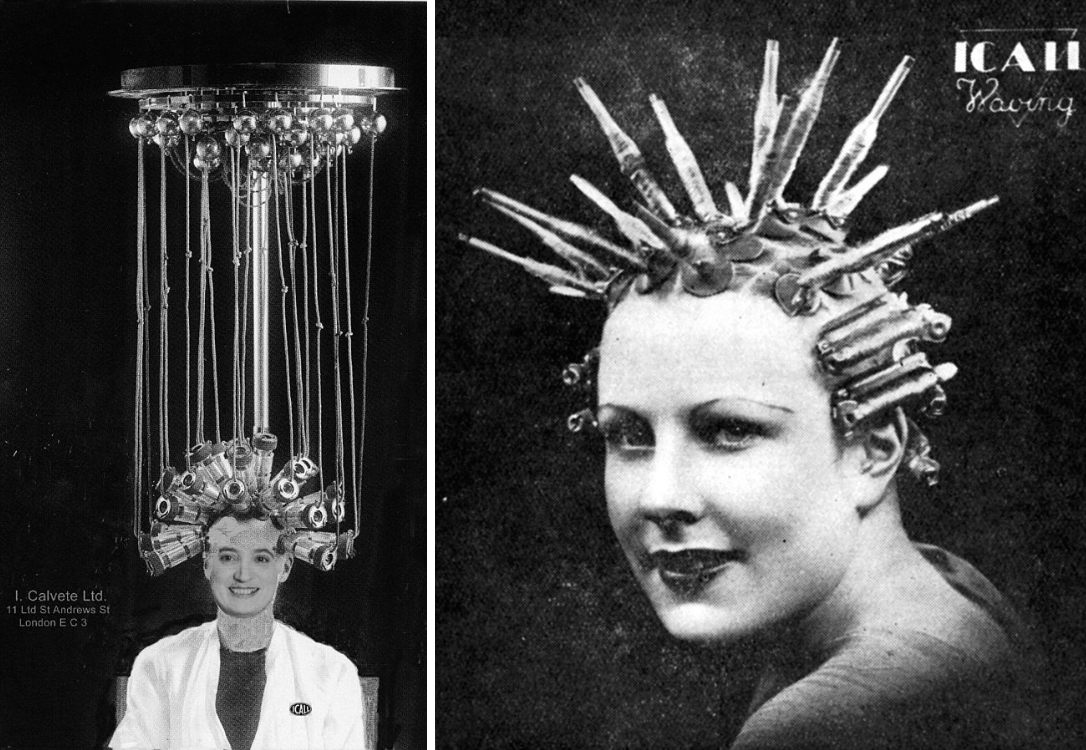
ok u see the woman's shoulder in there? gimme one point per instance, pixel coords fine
(182, 643)
(318, 655)
(889, 689)
(949, 673)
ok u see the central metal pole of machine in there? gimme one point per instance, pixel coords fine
(258, 242)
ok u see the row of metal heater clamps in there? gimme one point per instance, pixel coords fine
(232, 477)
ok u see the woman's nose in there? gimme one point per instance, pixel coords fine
(669, 495)
(242, 571)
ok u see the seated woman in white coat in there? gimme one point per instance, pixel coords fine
(244, 681)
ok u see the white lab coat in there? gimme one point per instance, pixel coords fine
(171, 696)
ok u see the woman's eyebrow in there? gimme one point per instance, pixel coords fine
(604, 410)
(728, 399)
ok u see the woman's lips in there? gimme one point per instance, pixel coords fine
(690, 569)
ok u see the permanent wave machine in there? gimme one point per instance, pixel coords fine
(268, 146)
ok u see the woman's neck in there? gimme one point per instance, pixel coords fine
(246, 633)
(879, 585)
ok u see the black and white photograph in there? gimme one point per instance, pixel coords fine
(213, 392)
(758, 396)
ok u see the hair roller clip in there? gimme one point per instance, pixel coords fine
(314, 547)
(895, 385)
(175, 510)
(237, 496)
(263, 455)
(201, 490)
(311, 511)
(686, 165)
(847, 324)
(859, 141)
(630, 161)
(581, 421)
(345, 545)
(795, 297)
(240, 456)
(305, 469)
(918, 458)
(196, 456)
(169, 485)
(582, 374)
(880, 330)
(334, 502)
(568, 229)
(216, 465)
(158, 561)
(282, 491)
(576, 374)
(163, 541)
(704, 278)
(661, 268)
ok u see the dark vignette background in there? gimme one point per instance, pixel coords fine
(67, 233)
(543, 638)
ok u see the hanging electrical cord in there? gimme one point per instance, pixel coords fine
(366, 327)
(163, 325)
(188, 322)
(141, 334)
(317, 325)
(206, 222)
(298, 383)
(201, 346)
(236, 401)
(283, 292)
(333, 273)
(278, 136)
(304, 247)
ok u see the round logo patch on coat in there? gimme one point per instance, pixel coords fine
(300, 709)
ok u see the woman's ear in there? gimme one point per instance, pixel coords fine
(884, 445)
(288, 563)
(880, 449)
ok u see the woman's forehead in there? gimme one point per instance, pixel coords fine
(680, 346)
(248, 534)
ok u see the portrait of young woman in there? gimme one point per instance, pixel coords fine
(826, 406)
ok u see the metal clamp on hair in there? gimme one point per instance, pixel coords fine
(318, 548)
(894, 385)
(582, 376)
(177, 510)
(876, 327)
(918, 458)
(163, 557)
(582, 420)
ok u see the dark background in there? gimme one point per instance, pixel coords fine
(544, 640)
(67, 346)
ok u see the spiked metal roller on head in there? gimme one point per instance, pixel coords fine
(796, 254)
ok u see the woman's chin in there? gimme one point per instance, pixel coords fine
(703, 622)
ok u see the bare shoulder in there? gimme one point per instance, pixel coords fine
(937, 668)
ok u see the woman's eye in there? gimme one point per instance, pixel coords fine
(627, 434)
(226, 557)
(728, 434)
(263, 559)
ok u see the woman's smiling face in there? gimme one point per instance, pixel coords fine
(243, 566)
(726, 485)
